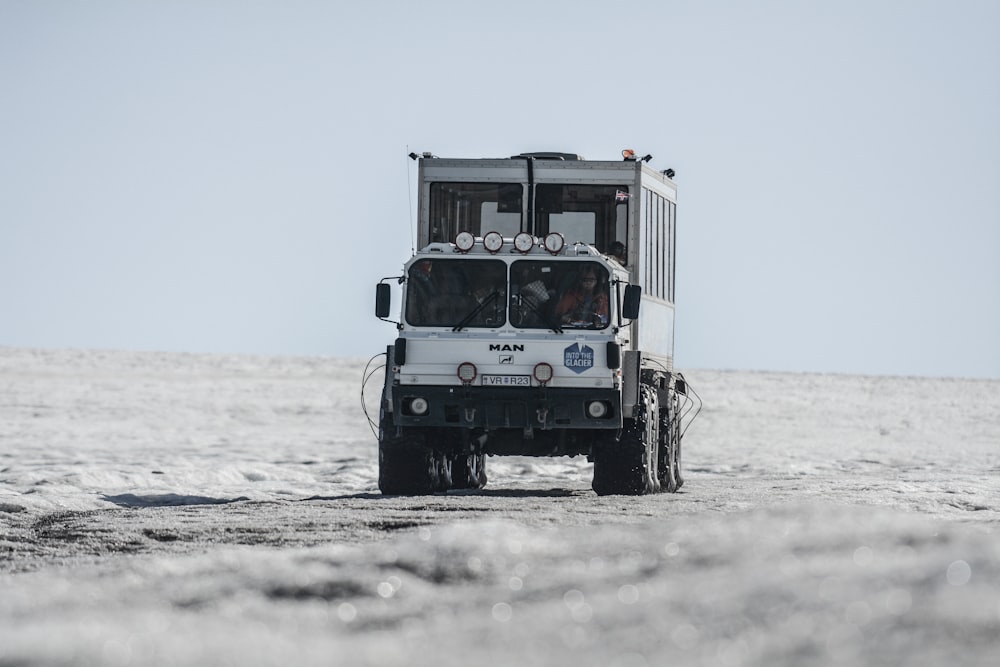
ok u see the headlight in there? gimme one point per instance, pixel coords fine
(597, 409)
(554, 242)
(465, 241)
(493, 242)
(524, 242)
(419, 406)
(467, 372)
(543, 372)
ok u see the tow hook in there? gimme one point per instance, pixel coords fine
(541, 414)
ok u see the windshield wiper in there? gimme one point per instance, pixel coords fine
(541, 314)
(475, 311)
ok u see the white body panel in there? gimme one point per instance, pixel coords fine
(577, 361)
(654, 330)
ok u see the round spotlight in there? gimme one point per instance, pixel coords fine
(554, 242)
(464, 241)
(467, 372)
(597, 409)
(419, 405)
(524, 242)
(543, 372)
(493, 241)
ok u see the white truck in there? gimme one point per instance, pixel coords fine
(537, 319)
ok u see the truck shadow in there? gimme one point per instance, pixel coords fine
(166, 500)
(486, 493)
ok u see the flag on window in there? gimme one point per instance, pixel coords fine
(621, 197)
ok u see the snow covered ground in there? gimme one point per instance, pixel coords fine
(171, 509)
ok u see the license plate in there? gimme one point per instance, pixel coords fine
(506, 380)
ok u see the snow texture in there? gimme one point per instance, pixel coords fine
(173, 509)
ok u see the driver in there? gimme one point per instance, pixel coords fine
(584, 304)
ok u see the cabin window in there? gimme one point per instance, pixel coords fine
(453, 292)
(659, 216)
(474, 207)
(546, 294)
(595, 214)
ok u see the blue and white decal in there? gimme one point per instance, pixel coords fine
(578, 359)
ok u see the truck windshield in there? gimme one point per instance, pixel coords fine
(558, 295)
(456, 292)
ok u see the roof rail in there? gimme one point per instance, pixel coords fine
(547, 156)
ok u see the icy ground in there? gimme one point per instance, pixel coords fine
(168, 509)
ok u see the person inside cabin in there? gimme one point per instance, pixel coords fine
(530, 296)
(584, 304)
(617, 250)
(439, 292)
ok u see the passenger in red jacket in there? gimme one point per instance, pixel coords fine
(585, 304)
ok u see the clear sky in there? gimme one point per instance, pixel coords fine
(231, 176)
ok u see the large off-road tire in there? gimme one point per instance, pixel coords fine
(406, 465)
(468, 471)
(627, 465)
(677, 462)
(671, 478)
(670, 445)
(667, 468)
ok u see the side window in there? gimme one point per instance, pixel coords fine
(658, 222)
(672, 252)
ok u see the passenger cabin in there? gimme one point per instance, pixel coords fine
(601, 203)
(594, 202)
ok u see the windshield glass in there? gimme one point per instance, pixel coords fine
(555, 295)
(457, 293)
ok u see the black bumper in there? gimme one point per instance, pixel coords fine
(492, 408)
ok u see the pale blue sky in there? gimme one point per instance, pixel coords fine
(232, 176)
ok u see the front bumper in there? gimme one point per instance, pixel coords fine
(505, 407)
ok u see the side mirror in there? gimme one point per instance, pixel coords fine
(383, 300)
(631, 301)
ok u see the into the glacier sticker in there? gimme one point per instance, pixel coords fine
(578, 359)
